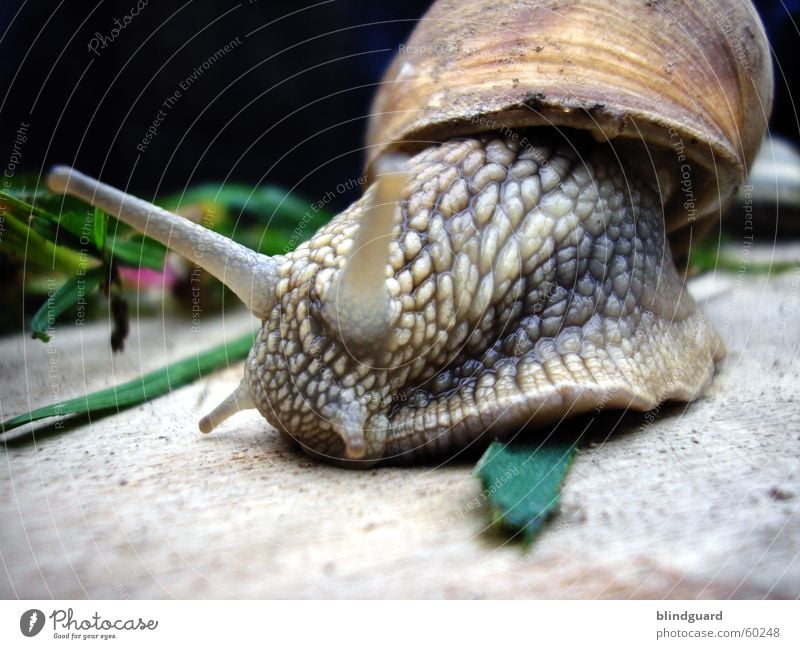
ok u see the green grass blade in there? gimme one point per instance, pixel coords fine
(75, 228)
(522, 482)
(144, 388)
(78, 223)
(69, 293)
(242, 213)
(99, 226)
(265, 200)
(25, 242)
(137, 252)
(25, 207)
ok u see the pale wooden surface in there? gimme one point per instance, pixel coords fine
(702, 503)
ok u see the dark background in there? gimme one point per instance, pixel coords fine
(287, 106)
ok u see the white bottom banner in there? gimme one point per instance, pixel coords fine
(388, 624)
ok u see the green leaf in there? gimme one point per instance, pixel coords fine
(138, 252)
(76, 222)
(75, 228)
(144, 388)
(522, 482)
(99, 225)
(69, 293)
(290, 220)
(25, 207)
(265, 200)
(710, 255)
(25, 242)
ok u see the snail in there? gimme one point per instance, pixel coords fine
(535, 167)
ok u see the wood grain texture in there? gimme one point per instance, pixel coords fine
(685, 502)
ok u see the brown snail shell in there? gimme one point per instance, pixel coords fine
(694, 77)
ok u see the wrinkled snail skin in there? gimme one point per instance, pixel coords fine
(511, 262)
(527, 284)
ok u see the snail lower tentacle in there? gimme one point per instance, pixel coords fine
(533, 280)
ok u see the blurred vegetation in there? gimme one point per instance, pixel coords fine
(66, 258)
(63, 258)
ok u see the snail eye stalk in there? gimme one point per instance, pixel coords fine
(359, 307)
(252, 276)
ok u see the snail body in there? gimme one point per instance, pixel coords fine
(511, 263)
